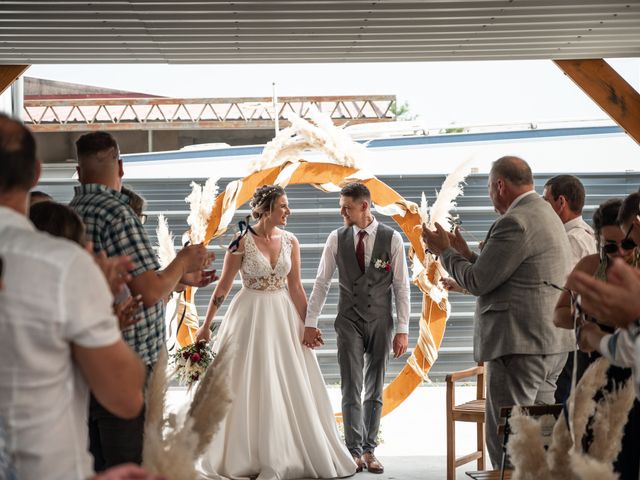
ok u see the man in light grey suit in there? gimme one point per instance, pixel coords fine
(513, 328)
(371, 265)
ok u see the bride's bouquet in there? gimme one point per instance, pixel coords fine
(191, 362)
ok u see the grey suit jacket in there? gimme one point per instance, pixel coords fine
(514, 309)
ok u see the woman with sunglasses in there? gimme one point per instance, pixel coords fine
(614, 241)
(281, 424)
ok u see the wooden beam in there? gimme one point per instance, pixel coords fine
(9, 74)
(608, 89)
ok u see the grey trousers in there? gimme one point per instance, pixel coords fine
(363, 352)
(518, 380)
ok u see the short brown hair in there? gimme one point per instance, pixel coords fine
(18, 163)
(59, 221)
(630, 208)
(570, 187)
(356, 191)
(95, 142)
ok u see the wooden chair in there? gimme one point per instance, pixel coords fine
(504, 430)
(472, 411)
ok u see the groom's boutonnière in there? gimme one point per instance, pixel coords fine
(382, 265)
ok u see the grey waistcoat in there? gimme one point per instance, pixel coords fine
(366, 296)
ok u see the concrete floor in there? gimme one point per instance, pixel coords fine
(413, 436)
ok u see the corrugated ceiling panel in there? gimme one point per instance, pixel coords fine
(314, 31)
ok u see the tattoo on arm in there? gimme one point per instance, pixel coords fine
(217, 301)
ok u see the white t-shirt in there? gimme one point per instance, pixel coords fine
(54, 295)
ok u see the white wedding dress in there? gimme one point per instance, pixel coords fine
(281, 424)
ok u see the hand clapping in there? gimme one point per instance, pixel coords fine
(436, 242)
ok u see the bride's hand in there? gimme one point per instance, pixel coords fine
(203, 334)
(312, 337)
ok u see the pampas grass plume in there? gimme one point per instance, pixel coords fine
(212, 399)
(166, 248)
(526, 448)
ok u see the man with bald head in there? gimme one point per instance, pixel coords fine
(513, 329)
(115, 228)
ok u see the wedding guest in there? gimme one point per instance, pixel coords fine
(61, 221)
(612, 245)
(513, 330)
(136, 202)
(565, 194)
(114, 228)
(58, 220)
(36, 196)
(58, 339)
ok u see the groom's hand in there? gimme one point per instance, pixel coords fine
(312, 337)
(400, 344)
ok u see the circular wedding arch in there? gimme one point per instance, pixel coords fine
(434, 314)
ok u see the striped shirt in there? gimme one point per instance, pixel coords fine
(113, 226)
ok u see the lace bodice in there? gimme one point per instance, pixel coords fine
(256, 271)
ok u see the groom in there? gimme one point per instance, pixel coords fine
(371, 264)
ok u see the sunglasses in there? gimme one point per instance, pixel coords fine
(626, 243)
(244, 228)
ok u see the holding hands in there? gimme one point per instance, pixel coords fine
(312, 337)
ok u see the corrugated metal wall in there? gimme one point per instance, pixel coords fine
(315, 214)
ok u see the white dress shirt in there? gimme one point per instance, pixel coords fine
(328, 265)
(581, 239)
(54, 296)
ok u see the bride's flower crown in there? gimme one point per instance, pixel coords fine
(264, 195)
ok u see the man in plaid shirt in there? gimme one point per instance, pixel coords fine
(114, 228)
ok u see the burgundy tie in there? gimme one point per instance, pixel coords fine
(360, 249)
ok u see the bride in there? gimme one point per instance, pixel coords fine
(280, 424)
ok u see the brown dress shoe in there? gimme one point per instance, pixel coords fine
(359, 463)
(371, 463)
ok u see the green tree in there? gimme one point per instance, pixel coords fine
(402, 112)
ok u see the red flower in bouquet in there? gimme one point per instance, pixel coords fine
(191, 362)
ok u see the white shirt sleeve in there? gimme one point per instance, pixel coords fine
(401, 285)
(619, 348)
(582, 244)
(322, 284)
(87, 305)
